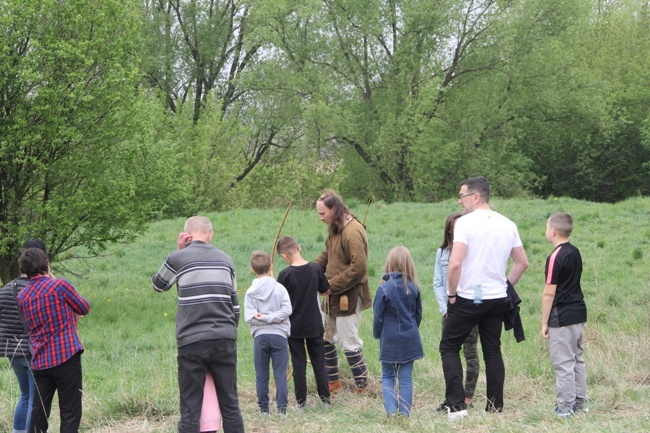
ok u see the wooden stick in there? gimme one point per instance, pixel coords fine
(289, 373)
(277, 236)
(367, 209)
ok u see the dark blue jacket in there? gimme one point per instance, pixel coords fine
(397, 316)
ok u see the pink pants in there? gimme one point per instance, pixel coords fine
(210, 412)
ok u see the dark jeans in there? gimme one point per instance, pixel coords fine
(194, 360)
(299, 361)
(273, 349)
(65, 380)
(472, 364)
(462, 317)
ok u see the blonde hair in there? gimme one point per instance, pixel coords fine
(198, 224)
(400, 260)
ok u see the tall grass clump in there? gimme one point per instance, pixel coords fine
(130, 382)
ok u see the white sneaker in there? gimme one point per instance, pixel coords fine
(455, 416)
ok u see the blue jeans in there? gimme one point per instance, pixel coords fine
(23, 411)
(397, 397)
(274, 349)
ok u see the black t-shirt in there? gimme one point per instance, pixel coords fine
(564, 269)
(304, 283)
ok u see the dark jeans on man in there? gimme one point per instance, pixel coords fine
(462, 316)
(65, 380)
(271, 349)
(219, 356)
(315, 347)
(472, 364)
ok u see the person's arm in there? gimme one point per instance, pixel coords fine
(78, 304)
(249, 309)
(518, 256)
(165, 277)
(547, 303)
(455, 268)
(356, 245)
(378, 307)
(285, 307)
(234, 298)
(323, 284)
(439, 288)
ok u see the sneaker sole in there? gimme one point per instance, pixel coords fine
(455, 416)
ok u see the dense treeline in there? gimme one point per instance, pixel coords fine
(113, 112)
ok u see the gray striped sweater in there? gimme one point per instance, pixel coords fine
(208, 307)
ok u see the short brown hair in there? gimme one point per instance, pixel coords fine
(562, 223)
(478, 184)
(33, 262)
(287, 245)
(261, 262)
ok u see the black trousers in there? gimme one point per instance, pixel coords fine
(219, 356)
(462, 317)
(316, 352)
(65, 380)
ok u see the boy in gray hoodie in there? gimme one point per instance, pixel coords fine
(267, 308)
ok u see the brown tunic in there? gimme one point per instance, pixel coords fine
(345, 261)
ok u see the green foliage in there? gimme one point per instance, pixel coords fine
(286, 175)
(71, 171)
(406, 98)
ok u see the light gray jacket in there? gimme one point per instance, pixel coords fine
(267, 296)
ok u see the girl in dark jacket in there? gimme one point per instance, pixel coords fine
(397, 316)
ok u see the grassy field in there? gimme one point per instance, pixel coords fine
(130, 360)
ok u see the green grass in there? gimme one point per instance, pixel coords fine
(130, 360)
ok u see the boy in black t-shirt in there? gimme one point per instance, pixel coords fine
(564, 314)
(304, 281)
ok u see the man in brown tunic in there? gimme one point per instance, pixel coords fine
(345, 261)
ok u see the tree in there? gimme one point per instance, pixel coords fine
(406, 97)
(579, 99)
(71, 171)
(196, 54)
(401, 93)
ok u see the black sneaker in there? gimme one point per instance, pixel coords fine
(582, 405)
(443, 407)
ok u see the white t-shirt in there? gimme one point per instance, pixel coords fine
(490, 238)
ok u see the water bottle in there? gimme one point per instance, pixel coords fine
(478, 295)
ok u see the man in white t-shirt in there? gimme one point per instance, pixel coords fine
(484, 240)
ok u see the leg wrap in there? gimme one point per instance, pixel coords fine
(331, 362)
(358, 366)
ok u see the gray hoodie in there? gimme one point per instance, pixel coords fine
(267, 296)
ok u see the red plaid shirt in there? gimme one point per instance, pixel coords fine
(50, 306)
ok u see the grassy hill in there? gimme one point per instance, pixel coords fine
(130, 382)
